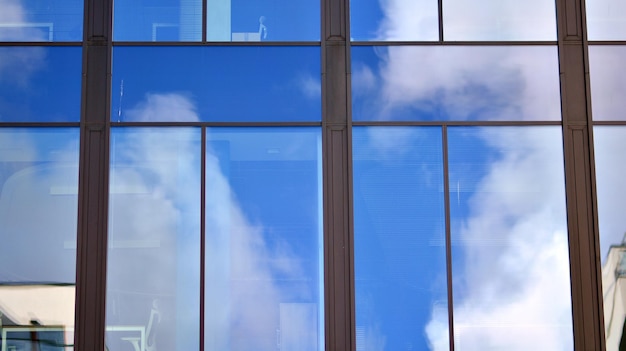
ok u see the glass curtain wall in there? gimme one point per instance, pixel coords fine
(40, 100)
(218, 180)
(606, 24)
(460, 226)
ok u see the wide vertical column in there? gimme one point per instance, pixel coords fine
(579, 175)
(338, 250)
(93, 178)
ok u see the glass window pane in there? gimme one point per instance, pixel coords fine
(396, 20)
(499, 20)
(610, 156)
(608, 82)
(216, 84)
(510, 266)
(263, 20)
(40, 84)
(431, 83)
(38, 216)
(263, 240)
(153, 274)
(41, 20)
(606, 19)
(157, 20)
(399, 239)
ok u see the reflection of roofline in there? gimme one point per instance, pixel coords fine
(36, 284)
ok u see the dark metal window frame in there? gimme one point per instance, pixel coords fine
(336, 124)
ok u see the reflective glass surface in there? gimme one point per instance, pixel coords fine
(394, 20)
(263, 240)
(606, 19)
(263, 20)
(510, 266)
(157, 20)
(40, 84)
(153, 273)
(38, 216)
(499, 20)
(216, 84)
(607, 70)
(425, 83)
(610, 158)
(41, 20)
(399, 239)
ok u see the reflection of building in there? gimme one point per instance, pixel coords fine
(36, 315)
(614, 292)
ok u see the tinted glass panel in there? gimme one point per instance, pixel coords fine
(394, 20)
(263, 240)
(40, 84)
(509, 239)
(157, 20)
(432, 83)
(41, 20)
(153, 274)
(263, 20)
(606, 19)
(216, 84)
(38, 216)
(610, 158)
(608, 82)
(499, 20)
(399, 239)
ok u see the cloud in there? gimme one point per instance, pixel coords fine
(511, 271)
(160, 207)
(310, 87)
(408, 20)
(490, 83)
(13, 15)
(608, 82)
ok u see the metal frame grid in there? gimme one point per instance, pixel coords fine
(336, 123)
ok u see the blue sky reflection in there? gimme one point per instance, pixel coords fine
(400, 258)
(221, 83)
(35, 20)
(40, 84)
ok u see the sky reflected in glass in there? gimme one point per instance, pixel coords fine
(153, 266)
(509, 239)
(263, 20)
(399, 239)
(38, 20)
(607, 70)
(216, 84)
(40, 84)
(429, 83)
(38, 216)
(610, 158)
(157, 20)
(394, 20)
(606, 19)
(499, 20)
(264, 274)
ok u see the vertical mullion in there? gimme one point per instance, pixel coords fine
(202, 232)
(204, 20)
(446, 200)
(91, 249)
(338, 270)
(440, 13)
(583, 232)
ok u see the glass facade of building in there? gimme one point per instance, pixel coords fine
(312, 175)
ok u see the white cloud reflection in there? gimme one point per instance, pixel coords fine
(512, 287)
(489, 83)
(245, 274)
